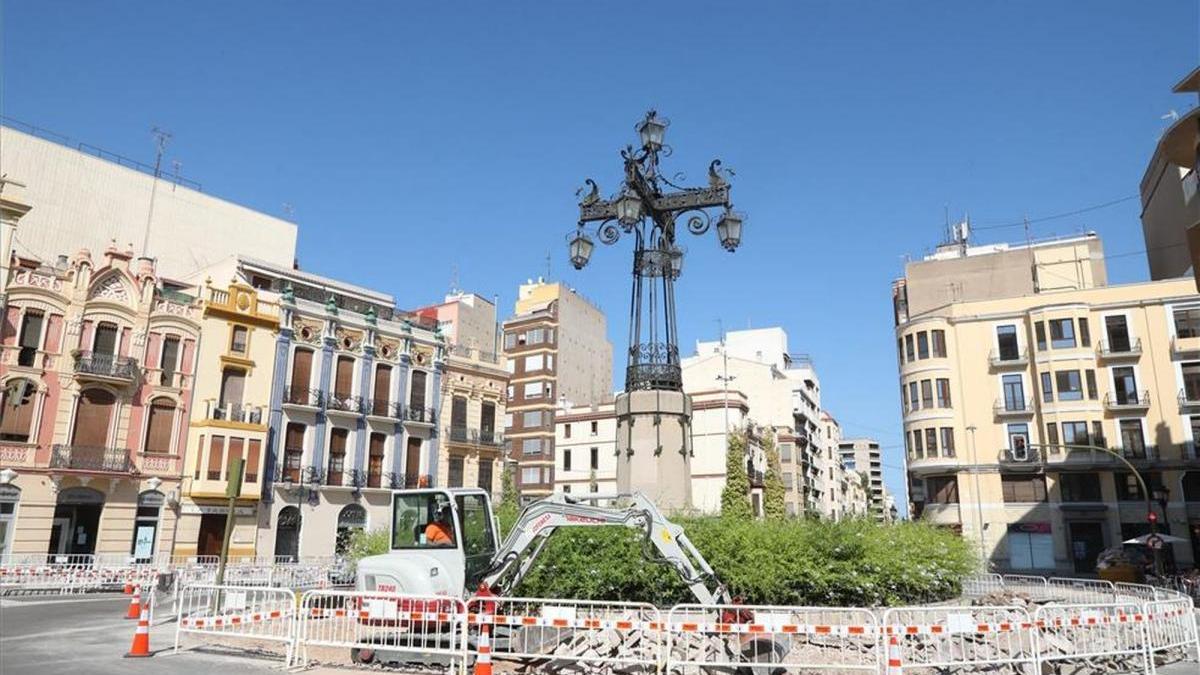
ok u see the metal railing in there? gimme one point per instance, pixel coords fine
(1134, 400)
(297, 395)
(1003, 408)
(1000, 359)
(383, 408)
(106, 365)
(419, 414)
(91, 458)
(234, 412)
(344, 403)
(1189, 399)
(1107, 349)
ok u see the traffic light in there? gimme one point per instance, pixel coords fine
(1153, 517)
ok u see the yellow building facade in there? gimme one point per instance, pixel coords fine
(1001, 396)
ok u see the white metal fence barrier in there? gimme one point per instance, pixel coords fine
(624, 634)
(1109, 637)
(1171, 624)
(373, 626)
(946, 637)
(823, 639)
(1081, 590)
(239, 614)
(982, 584)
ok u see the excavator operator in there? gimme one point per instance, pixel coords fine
(439, 532)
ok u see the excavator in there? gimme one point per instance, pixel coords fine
(445, 542)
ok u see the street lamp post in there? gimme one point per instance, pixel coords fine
(654, 453)
(1161, 495)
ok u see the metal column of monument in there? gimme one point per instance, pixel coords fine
(653, 414)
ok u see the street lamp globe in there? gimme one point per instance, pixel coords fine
(629, 209)
(676, 255)
(580, 248)
(729, 230)
(652, 129)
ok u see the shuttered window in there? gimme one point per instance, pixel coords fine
(344, 382)
(301, 369)
(253, 456)
(216, 452)
(458, 412)
(375, 460)
(158, 430)
(235, 453)
(170, 358)
(233, 383)
(106, 339)
(92, 418)
(416, 397)
(383, 389)
(16, 415)
(337, 455)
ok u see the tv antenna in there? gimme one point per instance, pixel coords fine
(161, 138)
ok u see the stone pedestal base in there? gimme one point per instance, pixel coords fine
(654, 446)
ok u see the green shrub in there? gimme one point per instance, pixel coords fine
(365, 543)
(735, 496)
(796, 562)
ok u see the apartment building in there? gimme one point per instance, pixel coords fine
(783, 394)
(465, 320)
(556, 350)
(847, 496)
(863, 460)
(97, 365)
(1013, 361)
(473, 392)
(229, 415)
(1170, 209)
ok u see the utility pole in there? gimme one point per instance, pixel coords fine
(978, 496)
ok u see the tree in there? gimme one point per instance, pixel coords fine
(774, 490)
(735, 497)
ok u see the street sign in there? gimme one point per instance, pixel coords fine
(1155, 542)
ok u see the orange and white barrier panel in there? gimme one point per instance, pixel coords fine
(610, 633)
(823, 639)
(950, 637)
(381, 623)
(1171, 624)
(237, 612)
(1114, 632)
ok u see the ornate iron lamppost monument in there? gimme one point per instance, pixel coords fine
(654, 416)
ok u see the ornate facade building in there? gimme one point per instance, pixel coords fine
(97, 362)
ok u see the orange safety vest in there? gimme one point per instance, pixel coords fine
(437, 533)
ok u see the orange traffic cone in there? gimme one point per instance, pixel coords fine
(135, 604)
(128, 588)
(483, 664)
(141, 636)
(894, 665)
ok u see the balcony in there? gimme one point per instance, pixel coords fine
(345, 403)
(303, 397)
(491, 438)
(105, 367)
(158, 463)
(1129, 402)
(383, 409)
(419, 415)
(16, 454)
(999, 359)
(460, 435)
(1026, 458)
(398, 481)
(472, 353)
(1120, 349)
(91, 458)
(482, 438)
(1189, 401)
(1185, 346)
(1016, 408)
(234, 412)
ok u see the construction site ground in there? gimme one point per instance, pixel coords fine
(88, 634)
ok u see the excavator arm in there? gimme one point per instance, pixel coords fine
(664, 542)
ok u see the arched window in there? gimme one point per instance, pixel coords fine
(352, 517)
(16, 411)
(158, 429)
(92, 418)
(287, 534)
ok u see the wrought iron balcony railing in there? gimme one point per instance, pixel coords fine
(383, 408)
(107, 366)
(297, 395)
(234, 412)
(460, 434)
(1004, 358)
(1189, 398)
(1013, 408)
(491, 438)
(397, 481)
(1132, 400)
(91, 458)
(1110, 349)
(345, 403)
(419, 414)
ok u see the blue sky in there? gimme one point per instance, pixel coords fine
(412, 139)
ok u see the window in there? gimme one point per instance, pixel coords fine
(416, 394)
(1006, 341)
(343, 383)
(947, 441)
(422, 520)
(913, 396)
(534, 362)
(237, 340)
(535, 336)
(30, 338)
(785, 452)
(458, 412)
(1047, 389)
(1130, 490)
(531, 446)
(293, 451)
(566, 431)
(1132, 442)
(1052, 437)
(594, 459)
(1023, 489)
(1187, 322)
(93, 413)
(337, 455)
(918, 444)
(233, 383)
(900, 349)
(1085, 335)
(454, 477)
(1040, 330)
(375, 460)
(508, 420)
(1191, 380)
(1098, 434)
(1075, 433)
(903, 398)
(1013, 387)
(941, 489)
(1090, 376)
(922, 345)
(531, 475)
(485, 474)
(1068, 385)
(595, 427)
(531, 419)
(106, 339)
(566, 464)
(788, 486)
(301, 374)
(199, 456)
(943, 393)
(1062, 333)
(1125, 385)
(532, 390)
(510, 340)
(931, 442)
(158, 429)
(382, 393)
(169, 360)
(1018, 439)
(1080, 487)
(216, 457)
(235, 453)
(939, 343)
(909, 348)
(1116, 328)
(16, 411)
(926, 393)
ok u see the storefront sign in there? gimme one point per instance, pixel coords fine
(205, 509)
(1030, 528)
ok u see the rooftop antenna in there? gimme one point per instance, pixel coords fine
(454, 279)
(1032, 259)
(176, 165)
(161, 138)
(288, 210)
(548, 259)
